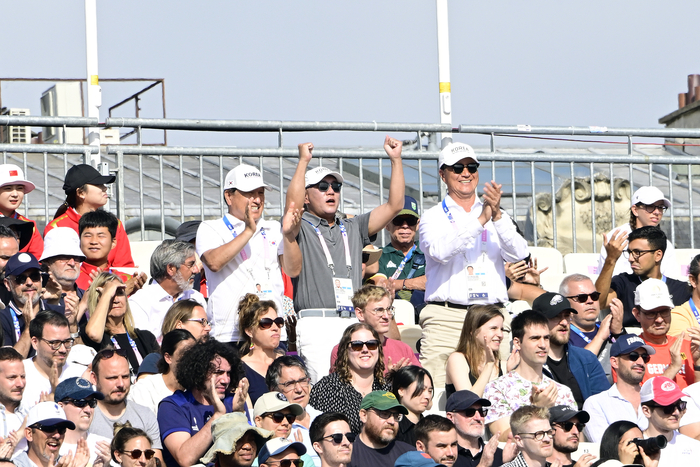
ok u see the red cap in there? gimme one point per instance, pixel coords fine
(662, 390)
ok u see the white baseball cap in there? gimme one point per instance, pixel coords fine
(244, 178)
(317, 174)
(649, 195)
(48, 414)
(274, 402)
(62, 241)
(652, 293)
(10, 174)
(455, 152)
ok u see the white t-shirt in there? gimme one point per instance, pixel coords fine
(36, 384)
(681, 451)
(92, 440)
(149, 391)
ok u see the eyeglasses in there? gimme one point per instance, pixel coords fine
(399, 221)
(35, 276)
(287, 463)
(568, 426)
(80, 403)
(635, 254)
(137, 453)
(653, 314)
(539, 435)
(387, 414)
(356, 346)
(650, 208)
(203, 321)
(289, 385)
(583, 297)
(55, 345)
(266, 323)
(634, 356)
(381, 311)
(472, 167)
(669, 409)
(470, 412)
(323, 186)
(51, 429)
(337, 438)
(278, 417)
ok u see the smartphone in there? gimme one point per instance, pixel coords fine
(44, 279)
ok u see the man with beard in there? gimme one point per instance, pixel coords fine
(236, 443)
(173, 268)
(12, 384)
(533, 435)
(622, 401)
(112, 377)
(332, 438)
(376, 445)
(569, 365)
(14, 235)
(51, 341)
(567, 424)
(437, 437)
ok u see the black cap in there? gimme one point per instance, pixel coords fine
(187, 231)
(23, 229)
(462, 400)
(551, 304)
(564, 413)
(84, 174)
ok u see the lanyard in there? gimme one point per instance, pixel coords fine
(326, 252)
(581, 334)
(694, 310)
(15, 321)
(405, 260)
(233, 232)
(484, 233)
(139, 358)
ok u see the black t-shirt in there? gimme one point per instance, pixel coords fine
(364, 456)
(145, 342)
(561, 374)
(624, 285)
(465, 458)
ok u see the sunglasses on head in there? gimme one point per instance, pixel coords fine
(634, 356)
(357, 346)
(472, 167)
(35, 276)
(669, 409)
(106, 354)
(80, 403)
(337, 438)
(583, 297)
(51, 429)
(287, 463)
(278, 417)
(137, 453)
(266, 323)
(568, 426)
(410, 220)
(323, 186)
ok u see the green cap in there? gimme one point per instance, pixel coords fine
(382, 400)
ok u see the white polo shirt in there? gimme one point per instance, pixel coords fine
(681, 450)
(258, 263)
(608, 407)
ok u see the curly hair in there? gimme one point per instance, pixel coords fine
(342, 366)
(197, 364)
(250, 310)
(94, 297)
(472, 350)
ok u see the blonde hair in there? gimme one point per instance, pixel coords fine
(369, 293)
(179, 312)
(94, 297)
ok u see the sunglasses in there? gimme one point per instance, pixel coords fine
(278, 417)
(34, 276)
(669, 409)
(470, 412)
(266, 323)
(51, 429)
(80, 403)
(323, 186)
(583, 297)
(650, 208)
(387, 414)
(337, 438)
(634, 356)
(568, 426)
(287, 463)
(356, 346)
(472, 167)
(137, 453)
(399, 221)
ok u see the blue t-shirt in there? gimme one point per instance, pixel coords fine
(182, 412)
(576, 339)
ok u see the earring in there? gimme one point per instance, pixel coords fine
(252, 346)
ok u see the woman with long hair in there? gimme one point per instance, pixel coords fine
(476, 360)
(413, 387)
(261, 330)
(111, 323)
(617, 444)
(358, 371)
(684, 316)
(189, 316)
(131, 447)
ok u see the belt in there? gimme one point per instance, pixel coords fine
(325, 313)
(459, 306)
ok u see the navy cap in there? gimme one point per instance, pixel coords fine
(551, 304)
(20, 262)
(416, 459)
(410, 208)
(627, 343)
(564, 413)
(187, 231)
(149, 365)
(275, 446)
(76, 388)
(84, 174)
(462, 400)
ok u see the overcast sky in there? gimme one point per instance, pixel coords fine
(619, 63)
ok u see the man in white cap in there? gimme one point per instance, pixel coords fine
(648, 208)
(239, 251)
(466, 241)
(326, 268)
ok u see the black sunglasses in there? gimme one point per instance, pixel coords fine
(634, 356)
(470, 412)
(337, 438)
(323, 186)
(137, 453)
(277, 417)
(410, 220)
(669, 409)
(358, 345)
(34, 276)
(583, 297)
(287, 463)
(568, 426)
(266, 323)
(80, 403)
(106, 354)
(51, 429)
(472, 167)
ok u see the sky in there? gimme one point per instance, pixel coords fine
(614, 64)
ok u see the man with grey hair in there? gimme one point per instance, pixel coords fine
(173, 267)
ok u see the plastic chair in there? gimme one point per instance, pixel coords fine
(581, 263)
(405, 313)
(551, 282)
(410, 334)
(548, 257)
(141, 252)
(684, 256)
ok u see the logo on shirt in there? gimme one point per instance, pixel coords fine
(390, 264)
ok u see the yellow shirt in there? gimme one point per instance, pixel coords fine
(682, 318)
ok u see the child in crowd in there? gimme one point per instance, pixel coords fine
(13, 187)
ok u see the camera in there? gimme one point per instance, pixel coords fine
(651, 445)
